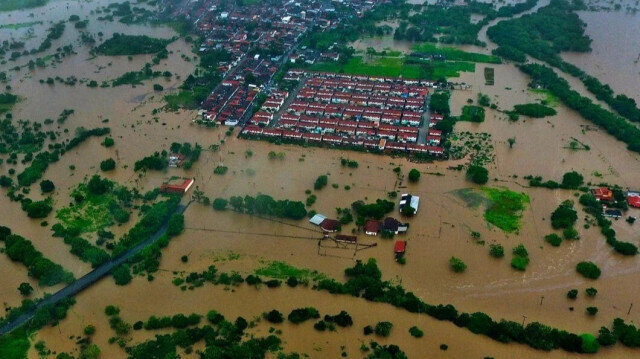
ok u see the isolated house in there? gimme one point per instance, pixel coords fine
(603, 194)
(409, 200)
(330, 225)
(179, 186)
(371, 228)
(394, 226)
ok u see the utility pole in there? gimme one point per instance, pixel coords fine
(524, 317)
(541, 299)
(630, 306)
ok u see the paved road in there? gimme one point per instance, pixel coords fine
(426, 118)
(89, 278)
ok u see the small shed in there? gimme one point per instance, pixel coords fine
(399, 248)
(317, 219)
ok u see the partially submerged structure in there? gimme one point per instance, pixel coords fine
(409, 200)
(178, 186)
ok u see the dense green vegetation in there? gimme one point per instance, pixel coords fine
(121, 44)
(535, 110)
(10, 5)
(157, 162)
(594, 207)
(544, 34)
(472, 113)
(564, 216)
(520, 258)
(410, 67)
(588, 270)
(617, 126)
(263, 204)
(7, 100)
(505, 209)
(19, 249)
(440, 103)
(477, 174)
(365, 280)
(457, 265)
(454, 54)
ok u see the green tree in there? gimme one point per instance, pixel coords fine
(25, 289)
(457, 265)
(219, 204)
(383, 329)
(414, 175)
(588, 270)
(47, 186)
(478, 174)
(572, 180)
(108, 165)
(176, 224)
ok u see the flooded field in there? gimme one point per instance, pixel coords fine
(243, 243)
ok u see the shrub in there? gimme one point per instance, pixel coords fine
(414, 175)
(591, 292)
(157, 87)
(38, 209)
(519, 263)
(25, 289)
(320, 182)
(457, 265)
(111, 310)
(572, 180)
(253, 280)
(47, 186)
(122, 275)
(589, 343)
(89, 330)
(342, 319)
(592, 310)
(478, 174)
(416, 332)
(572, 294)
(303, 314)
(520, 251)
(219, 204)
(320, 326)
(496, 250)
(383, 329)
(292, 282)
(368, 330)
(570, 233)
(108, 165)
(588, 270)
(564, 216)
(553, 239)
(274, 316)
(214, 317)
(108, 142)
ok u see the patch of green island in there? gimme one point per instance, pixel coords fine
(120, 44)
(19, 25)
(506, 208)
(7, 101)
(10, 5)
(453, 54)
(410, 68)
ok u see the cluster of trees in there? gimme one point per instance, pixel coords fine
(191, 152)
(477, 174)
(520, 258)
(108, 165)
(375, 210)
(364, 280)
(121, 44)
(21, 250)
(439, 103)
(453, 23)
(303, 314)
(37, 209)
(264, 205)
(320, 182)
(534, 110)
(564, 216)
(593, 207)
(615, 125)
(588, 270)
(153, 219)
(178, 321)
(570, 180)
(345, 162)
(156, 162)
(472, 113)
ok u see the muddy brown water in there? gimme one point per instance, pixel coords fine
(440, 230)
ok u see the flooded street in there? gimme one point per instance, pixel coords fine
(242, 243)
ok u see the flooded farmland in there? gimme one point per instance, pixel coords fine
(242, 243)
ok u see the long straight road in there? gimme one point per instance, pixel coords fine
(426, 119)
(89, 278)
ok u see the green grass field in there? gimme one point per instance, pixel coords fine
(282, 270)
(396, 67)
(453, 54)
(10, 5)
(19, 25)
(506, 208)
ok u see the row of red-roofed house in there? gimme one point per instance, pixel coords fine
(374, 144)
(297, 73)
(344, 98)
(374, 114)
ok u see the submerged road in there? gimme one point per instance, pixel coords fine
(89, 278)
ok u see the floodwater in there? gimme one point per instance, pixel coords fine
(440, 230)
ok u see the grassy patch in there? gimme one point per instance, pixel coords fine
(396, 66)
(19, 25)
(506, 208)
(453, 54)
(549, 98)
(282, 270)
(94, 212)
(131, 45)
(10, 5)
(471, 197)
(15, 345)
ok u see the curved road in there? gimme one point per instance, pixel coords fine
(89, 278)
